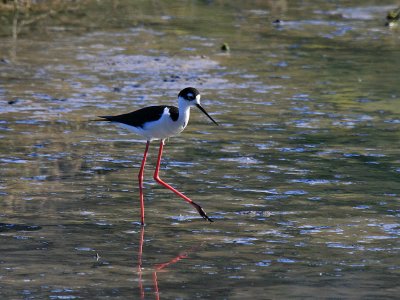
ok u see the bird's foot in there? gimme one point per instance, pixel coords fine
(202, 212)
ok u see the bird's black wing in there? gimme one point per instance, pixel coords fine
(141, 116)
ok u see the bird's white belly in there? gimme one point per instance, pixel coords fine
(163, 128)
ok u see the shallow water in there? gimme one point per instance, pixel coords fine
(302, 177)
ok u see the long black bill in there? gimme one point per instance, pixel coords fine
(204, 111)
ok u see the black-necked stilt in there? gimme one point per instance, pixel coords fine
(161, 122)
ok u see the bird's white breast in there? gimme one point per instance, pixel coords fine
(162, 128)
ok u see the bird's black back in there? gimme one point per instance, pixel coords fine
(141, 116)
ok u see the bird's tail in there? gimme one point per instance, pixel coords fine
(103, 118)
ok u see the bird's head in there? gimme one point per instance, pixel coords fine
(191, 97)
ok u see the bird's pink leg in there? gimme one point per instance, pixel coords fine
(157, 178)
(140, 177)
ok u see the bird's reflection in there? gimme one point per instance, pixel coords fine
(140, 254)
(158, 267)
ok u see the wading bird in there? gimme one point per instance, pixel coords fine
(159, 123)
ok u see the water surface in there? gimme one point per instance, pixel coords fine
(302, 177)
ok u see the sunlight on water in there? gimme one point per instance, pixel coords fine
(301, 178)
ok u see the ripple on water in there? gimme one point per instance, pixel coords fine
(277, 197)
(343, 246)
(264, 263)
(66, 294)
(243, 161)
(253, 213)
(18, 227)
(269, 191)
(358, 13)
(28, 122)
(379, 237)
(103, 223)
(13, 160)
(240, 241)
(87, 213)
(101, 170)
(296, 192)
(36, 178)
(362, 207)
(393, 121)
(144, 64)
(292, 150)
(310, 181)
(181, 218)
(286, 260)
(309, 229)
(392, 228)
(86, 249)
(275, 233)
(300, 97)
